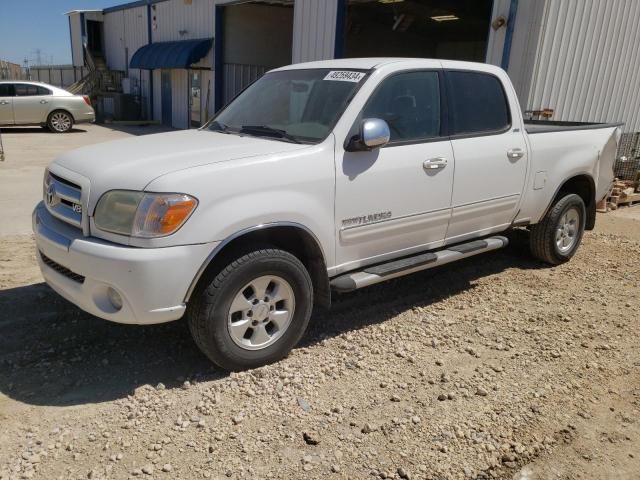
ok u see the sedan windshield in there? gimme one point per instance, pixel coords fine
(300, 106)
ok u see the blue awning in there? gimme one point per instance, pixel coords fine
(179, 54)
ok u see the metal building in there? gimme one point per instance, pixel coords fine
(568, 59)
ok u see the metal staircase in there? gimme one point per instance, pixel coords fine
(100, 78)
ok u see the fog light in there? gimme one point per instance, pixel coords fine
(114, 298)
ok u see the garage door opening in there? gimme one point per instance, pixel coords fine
(256, 37)
(448, 29)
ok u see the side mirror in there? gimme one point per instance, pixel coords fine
(374, 133)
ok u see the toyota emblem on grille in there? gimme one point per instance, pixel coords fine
(51, 195)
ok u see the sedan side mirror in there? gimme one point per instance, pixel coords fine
(374, 133)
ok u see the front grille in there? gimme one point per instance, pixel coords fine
(61, 270)
(63, 199)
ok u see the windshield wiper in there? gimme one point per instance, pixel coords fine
(268, 132)
(219, 127)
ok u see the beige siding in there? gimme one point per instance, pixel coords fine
(314, 30)
(587, 66)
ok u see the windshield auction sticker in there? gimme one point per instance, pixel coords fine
(345, 76)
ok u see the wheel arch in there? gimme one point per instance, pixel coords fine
(291, 237)
(584, 186)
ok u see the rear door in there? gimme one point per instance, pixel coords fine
(6, 104)
(30, 104)
(490, 155)
(396, 200)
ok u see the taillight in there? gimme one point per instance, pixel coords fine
(86, 99)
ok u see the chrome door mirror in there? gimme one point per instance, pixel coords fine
(374, 133)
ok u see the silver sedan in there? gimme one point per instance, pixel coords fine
(34, 103)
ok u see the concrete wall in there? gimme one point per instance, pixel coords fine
(587, 66)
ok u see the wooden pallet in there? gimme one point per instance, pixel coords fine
(628, 199)
(623, 192)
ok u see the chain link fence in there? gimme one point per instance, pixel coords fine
(627, 163)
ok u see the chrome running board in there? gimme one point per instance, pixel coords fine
(405, 266)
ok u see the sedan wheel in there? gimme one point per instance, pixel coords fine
(60, 122)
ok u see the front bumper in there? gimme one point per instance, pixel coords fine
(152, 282)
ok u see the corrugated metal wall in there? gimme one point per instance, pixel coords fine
(180, 20)
(125, 31)
(157, 95)
(237, 76)
(314, 30)
(76, 40)
(194, 20)
(114, 40)
(180, 98)
(588, 61)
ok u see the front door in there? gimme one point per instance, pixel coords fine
(6, 104)
(165, 93)
(30, 104)
(490, 153)
(396, 200)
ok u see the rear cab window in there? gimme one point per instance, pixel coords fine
(478, 104)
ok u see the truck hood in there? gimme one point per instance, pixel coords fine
(132, 163)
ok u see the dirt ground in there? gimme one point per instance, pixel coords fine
(495, 367)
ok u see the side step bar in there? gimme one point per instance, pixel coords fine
(398, 268)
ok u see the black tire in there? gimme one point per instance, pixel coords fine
(209, 311)
(60, 121)
(542, 241)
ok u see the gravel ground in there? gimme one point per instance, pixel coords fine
(496, 367)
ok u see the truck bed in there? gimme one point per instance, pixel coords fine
(546, 126)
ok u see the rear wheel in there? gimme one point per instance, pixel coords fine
(556, 238)
(60, 121)
(254, 311)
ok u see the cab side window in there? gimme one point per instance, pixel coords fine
(410, 104)
(478, 103)
(6, 90)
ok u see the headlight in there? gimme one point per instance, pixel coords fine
(140, 214)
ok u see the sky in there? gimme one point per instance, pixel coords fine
(31, 25)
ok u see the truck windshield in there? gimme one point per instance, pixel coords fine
(300, 106)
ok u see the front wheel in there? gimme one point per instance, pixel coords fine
(254, 311)
(556, 238)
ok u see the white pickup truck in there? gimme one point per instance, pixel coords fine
(320, 177)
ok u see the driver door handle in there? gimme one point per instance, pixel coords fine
(434, 163)
(515, 154)
(4, 102)
(44, 101)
